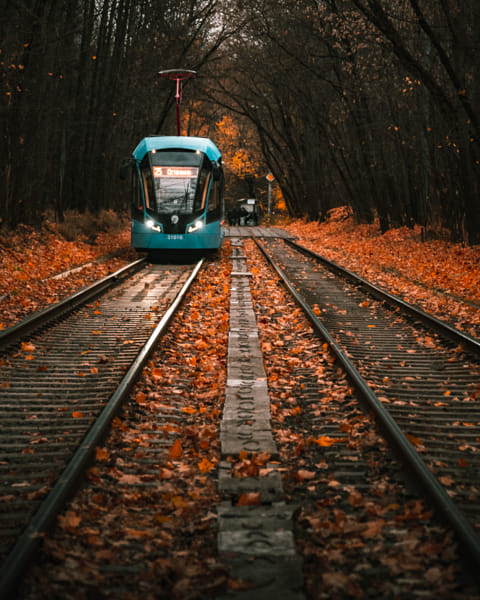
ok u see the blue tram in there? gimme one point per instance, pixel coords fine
(177, 194)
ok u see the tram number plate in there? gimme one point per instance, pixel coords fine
(174, 237)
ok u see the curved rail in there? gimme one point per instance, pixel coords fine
(16, 562)
(436, 492)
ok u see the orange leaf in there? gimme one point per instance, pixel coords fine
(205, 465)
(413, 439)
(325, 440)
(249, 499)
(71, 520)
(447, 481)
(201, 345)
(102, 454)
(355, 498)
(156, 374)
(141, 398)
(165, 473)
(162, 518)
(303, 474)
(176, 451)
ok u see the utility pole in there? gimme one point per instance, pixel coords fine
(270, 178)
(178, 75)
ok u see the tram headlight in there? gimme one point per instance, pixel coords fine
(195, 227)
(152, 225)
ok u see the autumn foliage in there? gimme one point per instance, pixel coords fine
(33, 264)
(440, 276)
(144, 524)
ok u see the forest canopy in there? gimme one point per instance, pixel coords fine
(370, 104)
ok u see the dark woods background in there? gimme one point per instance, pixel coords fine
(372, 104)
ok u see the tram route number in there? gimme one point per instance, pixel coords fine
(172, 236)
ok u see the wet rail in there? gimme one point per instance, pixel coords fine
(419, 378)
(64, 374)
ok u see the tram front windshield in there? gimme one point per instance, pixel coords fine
(175, 176)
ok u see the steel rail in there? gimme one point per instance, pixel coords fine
(434, 490)
(451, 332)
(20, 556)
(13, 334)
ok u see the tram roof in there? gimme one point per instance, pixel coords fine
(172, 142)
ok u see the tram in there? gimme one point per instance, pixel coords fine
(177, 189)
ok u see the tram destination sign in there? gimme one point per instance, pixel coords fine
(175, 171)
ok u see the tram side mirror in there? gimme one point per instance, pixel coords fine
(125, 168)
(216, 172)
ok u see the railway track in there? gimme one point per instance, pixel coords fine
(64, 374)
(420, 379)
(160, 513)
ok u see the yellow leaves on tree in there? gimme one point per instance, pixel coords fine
(243, 159)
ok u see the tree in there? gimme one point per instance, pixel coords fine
(79, 89)
(437, 45)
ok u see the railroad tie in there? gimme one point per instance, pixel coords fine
(255, 541)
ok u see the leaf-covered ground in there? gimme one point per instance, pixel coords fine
(30, 260)
(144, 523)
(157, 537)
(441, 276)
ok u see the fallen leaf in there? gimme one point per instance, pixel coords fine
(303, 474)
(102, 454)
(141, 398)
(249, 499)
(70, 520)
(205, 465)
(176, 451)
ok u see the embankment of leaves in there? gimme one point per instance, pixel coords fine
(440, 276)
(30, 259)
